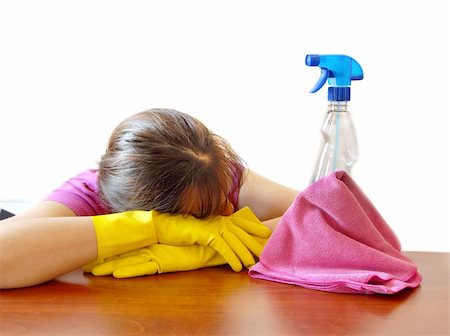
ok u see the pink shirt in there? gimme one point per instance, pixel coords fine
(80, 194)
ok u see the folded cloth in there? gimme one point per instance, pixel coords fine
(333, 239)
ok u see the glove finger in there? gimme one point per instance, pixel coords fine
(109, 267)
(248, 241)
(246, 213)
(251, 227)
(88, 268)
(147, 268)
(239, 248)
(221, 246)
(262, 241)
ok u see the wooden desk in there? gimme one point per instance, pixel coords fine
(216, 301)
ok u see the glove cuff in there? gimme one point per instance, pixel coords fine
(123, 232)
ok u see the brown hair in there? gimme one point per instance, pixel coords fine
(166, 160)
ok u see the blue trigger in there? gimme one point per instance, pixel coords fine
(323, 78)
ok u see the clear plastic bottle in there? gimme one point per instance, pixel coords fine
(339, 148)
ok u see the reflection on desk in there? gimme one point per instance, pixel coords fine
(217, 301)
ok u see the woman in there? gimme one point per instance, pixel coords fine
(159, 159)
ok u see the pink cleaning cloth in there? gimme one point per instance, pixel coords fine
(333, 239)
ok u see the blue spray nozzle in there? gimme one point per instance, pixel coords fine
(339, 70)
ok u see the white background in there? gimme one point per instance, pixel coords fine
(71, 70)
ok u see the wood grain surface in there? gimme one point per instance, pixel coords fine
(217, 301)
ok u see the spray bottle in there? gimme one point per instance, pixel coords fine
(339, 149)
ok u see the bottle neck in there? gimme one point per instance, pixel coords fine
(338, 106)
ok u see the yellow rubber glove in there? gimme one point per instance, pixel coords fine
(159, 259)
(229, 236)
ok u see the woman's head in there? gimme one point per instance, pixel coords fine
(166, 160)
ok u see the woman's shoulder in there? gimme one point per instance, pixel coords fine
(80, 193)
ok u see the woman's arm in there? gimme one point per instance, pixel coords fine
(42, 243)
(268, 200)
(49, 240)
